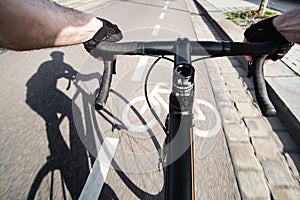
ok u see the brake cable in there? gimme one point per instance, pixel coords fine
(146, 90)
(203, 58)
(146, 93)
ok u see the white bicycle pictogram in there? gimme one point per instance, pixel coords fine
(157, 102)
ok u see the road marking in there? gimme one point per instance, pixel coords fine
(140, 68)
(156, 30)
(155, 98)
(99, 171)
(165, 7)
(162, 15)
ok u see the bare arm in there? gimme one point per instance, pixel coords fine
(35, 24)
(288, 24)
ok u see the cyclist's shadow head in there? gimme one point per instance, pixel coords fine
(56, 68)
(43, 96)
(53, 105)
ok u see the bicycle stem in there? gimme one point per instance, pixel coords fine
(180, 160)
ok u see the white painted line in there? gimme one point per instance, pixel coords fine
(99, 171)
(162, 15)
(156, 30)
(140, 69)
(165, 7)
(167, 2)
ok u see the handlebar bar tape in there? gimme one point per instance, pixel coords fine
(266, 106)
(220, 48)
(105, 85)
(134, 48)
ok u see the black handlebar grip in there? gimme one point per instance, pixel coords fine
(266, 106)
(105, 85)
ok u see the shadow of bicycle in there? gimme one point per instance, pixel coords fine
(69, 162)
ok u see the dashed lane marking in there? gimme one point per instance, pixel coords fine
(162, 15)
(156, 30)
(140, 69)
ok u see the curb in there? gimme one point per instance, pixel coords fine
(232, 32)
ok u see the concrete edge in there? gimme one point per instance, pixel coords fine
(288, 118)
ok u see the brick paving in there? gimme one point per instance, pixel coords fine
(264, 156)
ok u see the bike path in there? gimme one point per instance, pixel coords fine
(266, 142)
(23, 131)
(34, 87)
(213, 180)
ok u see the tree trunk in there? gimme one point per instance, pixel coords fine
(262, 7)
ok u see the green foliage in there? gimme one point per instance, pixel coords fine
(246, 17)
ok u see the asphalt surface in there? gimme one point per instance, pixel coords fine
(46, 129)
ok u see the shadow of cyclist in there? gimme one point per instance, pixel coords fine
(53, 106)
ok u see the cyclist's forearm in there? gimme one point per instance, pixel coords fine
(288, 24)
(34, 24)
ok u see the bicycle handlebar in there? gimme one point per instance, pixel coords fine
(198, 48)
(220, 48)
(266, 106)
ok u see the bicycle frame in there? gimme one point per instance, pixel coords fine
(180, 163)
(179, 179)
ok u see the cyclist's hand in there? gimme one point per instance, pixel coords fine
(108, 32)
(249, 58)
(265, 31)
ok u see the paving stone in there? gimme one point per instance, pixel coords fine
(240, 96)
(233, 83)
(192, 7)
(253, 185)
(231, 73)
(233, 31)
(222, 97)
(202, 32)
(212, 66)
(213, 76)
(252, 92)
(293, 160)
(292, 58)
(277, 140)
(236, 132)
(278, 173)
(257, 127)
(288, 90)
(286, 193)
(226, 66)
(218, 85)
(243, 156)
(265, 148)
(247, 109)
(277, 68)
(229, 114)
